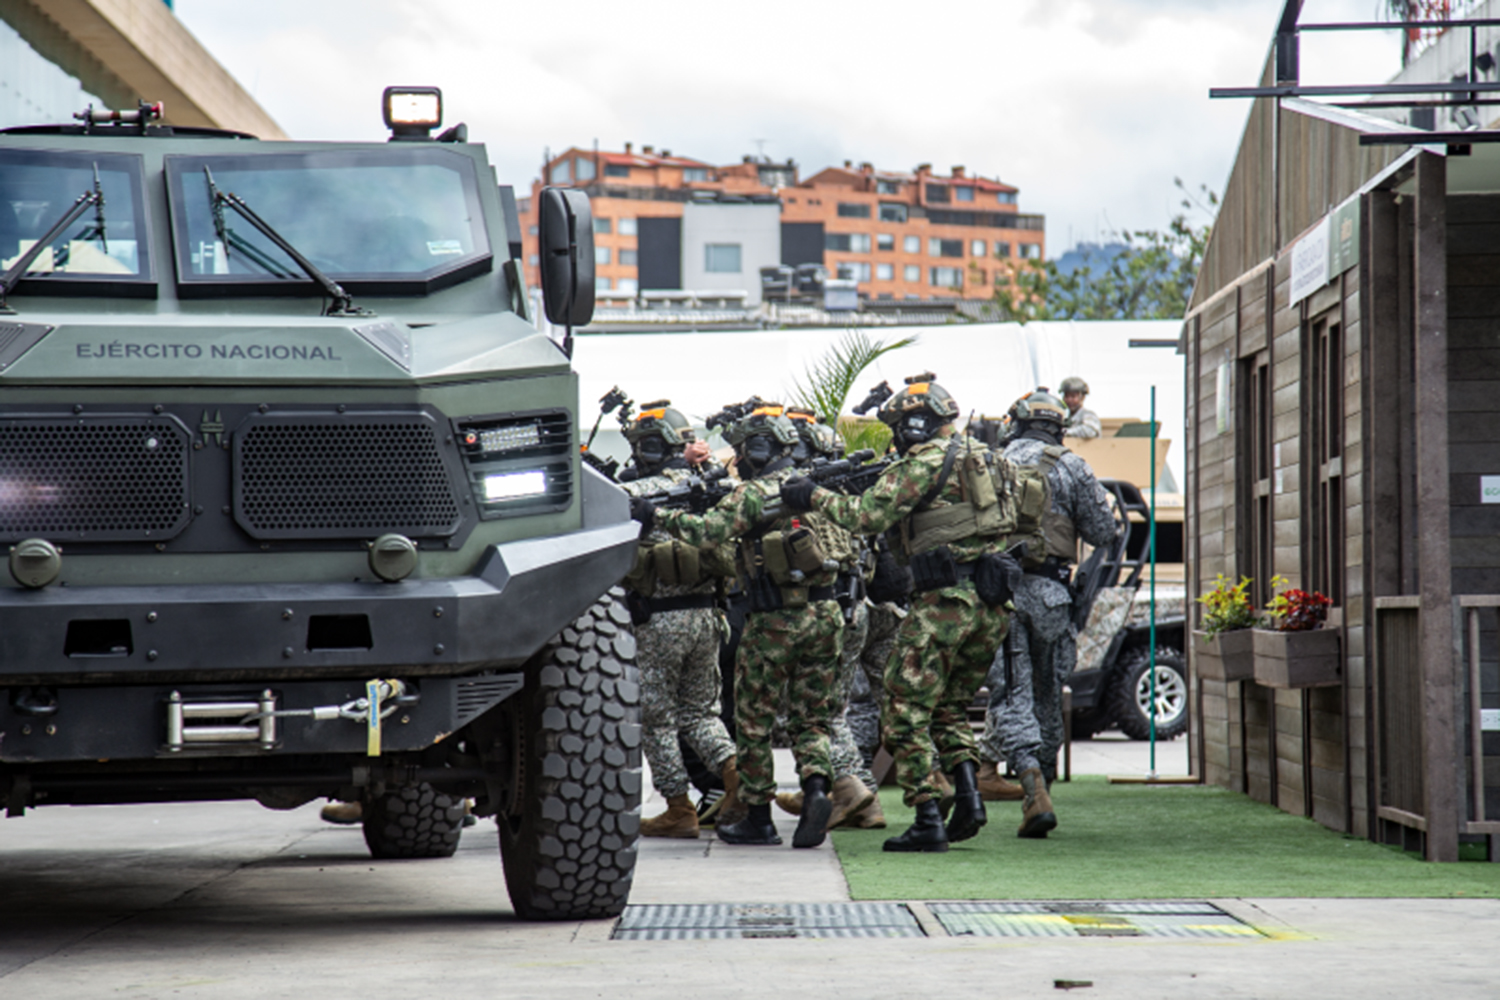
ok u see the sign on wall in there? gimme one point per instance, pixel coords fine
(1489, 489)
(1327, 250)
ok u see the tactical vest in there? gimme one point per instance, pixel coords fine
(674, 563)
(1046, 532)
(986, 507)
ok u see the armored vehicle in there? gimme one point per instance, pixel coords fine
(292, 498)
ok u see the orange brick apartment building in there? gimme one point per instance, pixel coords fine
(901, 236)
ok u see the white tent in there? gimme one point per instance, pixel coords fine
(985, 366)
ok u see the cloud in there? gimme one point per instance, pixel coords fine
(1091, 107)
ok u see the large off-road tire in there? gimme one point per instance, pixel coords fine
(415, 822)
(1130, 695)
(569, 831)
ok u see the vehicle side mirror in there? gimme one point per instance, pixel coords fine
(566, 235)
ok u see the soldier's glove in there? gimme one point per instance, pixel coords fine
(797, 493)
(644, 511)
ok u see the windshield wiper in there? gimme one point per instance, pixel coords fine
(341, 302)
(17, 270)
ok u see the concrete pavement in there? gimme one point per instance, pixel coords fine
(231, 901)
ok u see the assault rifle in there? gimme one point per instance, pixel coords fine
(695, 494)
(850, 475)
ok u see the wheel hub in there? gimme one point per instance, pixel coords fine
(1171, 694)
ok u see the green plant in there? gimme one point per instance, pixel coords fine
(1227, 607)
(864, 432)
(825, 384)
(1296, 610)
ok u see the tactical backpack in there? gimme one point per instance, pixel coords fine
(1045, 532)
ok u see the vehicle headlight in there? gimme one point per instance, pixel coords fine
(510, 485)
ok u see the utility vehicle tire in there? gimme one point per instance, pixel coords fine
(415, 822)
(569, 831)
(1130, 695)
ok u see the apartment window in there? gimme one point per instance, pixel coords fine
(1002, 248)
(938, 192)
(885, 272)
(853, 211)
(777, 177)
(1002, 278)
(694, 174)
(937, 247)
(892, 212)
(584, 170)
(911, 272)
(627, 258)
(885, 241)
(627, 227)
(847, 242)
(534, 260)
(1006, 197)
(1030, 251)
(532, 230)
(980, 277)
(628, 285)
(616, 170)
(601, 255)
(887, 187)
(721, 258)
(978, 248)
(561, 172)
(946, 277)
(854, 270)
(1327, 415)
(601, 284)
(601, 226)
(963, 193)
(912, 244)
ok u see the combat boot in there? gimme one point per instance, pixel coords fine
(731, 809)
(680, 820)
(816, 808)
(945, 791)
(849, 796)
(994, 787)
(871, 817)
(926, 833)
(1036, 816)
(343, 813)
(755, 828)
(968, 808)
(789, 802)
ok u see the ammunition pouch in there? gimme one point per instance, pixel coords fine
(933, 570)
(677, 564)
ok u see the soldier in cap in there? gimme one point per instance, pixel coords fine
(947, 507)
(671, 593)
(787, 562)
(1081, 421)
(1024, 725)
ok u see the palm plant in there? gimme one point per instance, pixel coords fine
(826, 384)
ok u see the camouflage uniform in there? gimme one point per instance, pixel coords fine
(787, 656)
(1024, 725)
(848, 757)
(678, 656)
(949, 637)
(1084, 423)
(867, 685)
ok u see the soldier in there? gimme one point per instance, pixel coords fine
(671, 593)
(949, 499)
(789, 652)
(1024, 725)
(1082, 422)
(853, 782)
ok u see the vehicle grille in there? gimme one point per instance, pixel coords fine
(96, 478)
(536, 444)
(316, 476)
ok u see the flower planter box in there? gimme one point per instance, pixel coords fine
(1228, 656)
(1298, 659)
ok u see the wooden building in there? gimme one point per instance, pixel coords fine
(1343, 431)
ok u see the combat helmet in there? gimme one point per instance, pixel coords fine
(916, 412)
(816, 439)
(657, 434)
(1039, 406)
(762, 435)
(1073, 384)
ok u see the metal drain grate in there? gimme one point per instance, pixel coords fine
(771, 920)
(1154, 919)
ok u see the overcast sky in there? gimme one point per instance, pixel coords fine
(1090, 107)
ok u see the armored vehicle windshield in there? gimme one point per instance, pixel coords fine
(37, 187)
(409, 219)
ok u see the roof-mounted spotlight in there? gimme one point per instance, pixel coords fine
(411, 113)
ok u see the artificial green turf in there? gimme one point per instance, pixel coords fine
(1148, 842)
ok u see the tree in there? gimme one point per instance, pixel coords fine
(1152, 278)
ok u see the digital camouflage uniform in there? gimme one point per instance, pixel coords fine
(1083, 424)
(788, 656)
(678, 656)
(1024, 725)
(867, 684)
(947, 640)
